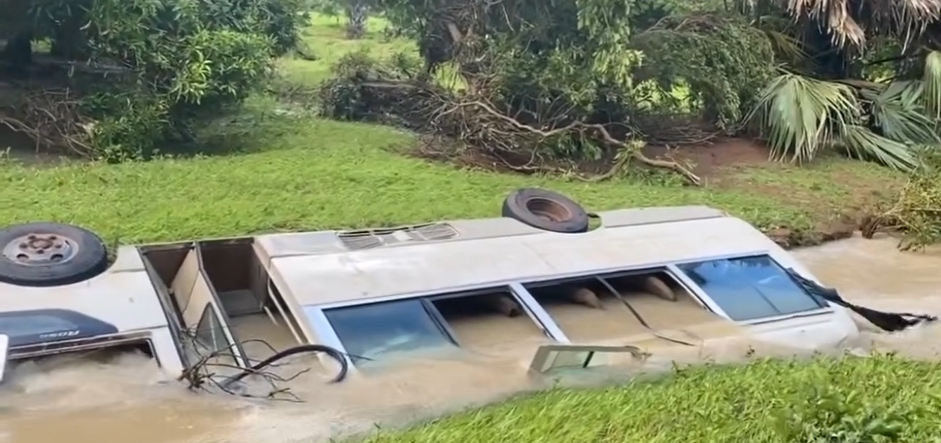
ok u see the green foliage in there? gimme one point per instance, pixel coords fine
(723, 60)
(885, 122)
(916, 211)
(547, 63)
(552, 63)
(193, 58)
(182, 61)
(825, 414)
(357, 13)
(343, 97)
(129, 125)
(331, 8)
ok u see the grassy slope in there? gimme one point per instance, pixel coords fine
(300, 173)
(766, 401)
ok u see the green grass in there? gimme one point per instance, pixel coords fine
(325, 40)
(303, 173)
(317, 174)
(856, 400)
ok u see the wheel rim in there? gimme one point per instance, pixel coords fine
(40, 249)
(548, 210)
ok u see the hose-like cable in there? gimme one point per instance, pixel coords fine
(887, 321)
(332, 352)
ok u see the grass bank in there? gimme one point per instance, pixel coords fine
(278, 170)
(857, 400)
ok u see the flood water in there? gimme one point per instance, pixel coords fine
(116, 401)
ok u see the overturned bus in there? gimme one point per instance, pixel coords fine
(538, 277)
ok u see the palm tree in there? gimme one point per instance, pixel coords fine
(832, 99)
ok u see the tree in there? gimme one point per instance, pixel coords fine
(867, 80)
(147, 69)
(558, 80)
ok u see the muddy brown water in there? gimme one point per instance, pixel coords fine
(127, 399)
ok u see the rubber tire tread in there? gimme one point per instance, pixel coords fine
(514, 206)
(90, 260)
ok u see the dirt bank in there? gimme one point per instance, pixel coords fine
(790, 238)
(835, 192)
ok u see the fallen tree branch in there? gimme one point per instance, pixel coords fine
(469, 127)
(51, 118)
(605, 136)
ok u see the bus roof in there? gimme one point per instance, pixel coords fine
(326, 268)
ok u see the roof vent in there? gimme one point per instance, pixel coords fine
(375, 238)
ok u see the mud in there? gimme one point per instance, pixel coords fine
(788, 238)
(126, 398)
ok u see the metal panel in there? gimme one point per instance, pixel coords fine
(646, 216)
(326, 336)
(4, 348)
(193, 294)
(182, 290)
(550, 357)
(538, 313)
(464, 265)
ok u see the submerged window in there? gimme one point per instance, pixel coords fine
(209, 330)
(608, 307)
(369, 332)
(489, 322)
(749, 288)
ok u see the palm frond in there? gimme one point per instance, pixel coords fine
(847, 22)
(931, 81)
(787, 46)
(800, 115)
(834, 16)
(898, 113)
(911, 17)
(863, 144)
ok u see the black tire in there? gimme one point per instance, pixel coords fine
(87, 255)
(546, 210)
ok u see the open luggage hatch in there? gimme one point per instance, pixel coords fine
(225, 301)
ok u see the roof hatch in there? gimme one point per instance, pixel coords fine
(380, 237)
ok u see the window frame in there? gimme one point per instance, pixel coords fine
(824, 307)
(518, 288)
(519, 282)
(433, 315)
(604, 279)
(217, 331)
(321, 321)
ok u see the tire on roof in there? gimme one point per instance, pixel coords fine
(50, 254)
(546, 210)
